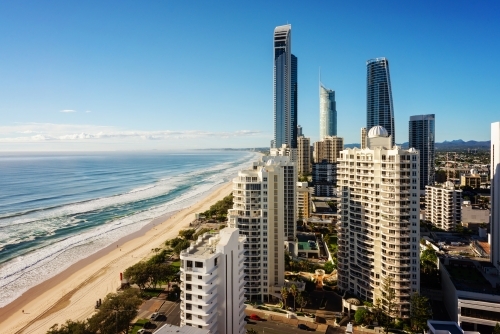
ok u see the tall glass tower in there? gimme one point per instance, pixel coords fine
(327, 112)
(285, 89)
(379, 107)
(421, 136)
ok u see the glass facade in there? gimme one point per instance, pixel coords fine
(422, 136)
(285, 89)
(327, 112)
(379, 107)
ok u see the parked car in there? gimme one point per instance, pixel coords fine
(154, 315)
(255, 317)
(303, 327)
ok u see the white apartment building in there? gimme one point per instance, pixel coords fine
(443, 205)
(378, 233)
(328, 149)
(264, 211)
(212, 280)
(303, 155)
(495, 195)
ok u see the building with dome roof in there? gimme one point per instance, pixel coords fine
(379, 233)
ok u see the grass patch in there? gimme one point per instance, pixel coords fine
(138, 325)
(150, 293)
(278, 310)
(176, 265)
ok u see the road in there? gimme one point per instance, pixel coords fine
(270, 327)
(172, 311)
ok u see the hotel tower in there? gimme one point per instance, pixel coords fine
(378, 234)
(379, 107)
(495, 194)
(285, 89)
(327, 112)
(421, 137)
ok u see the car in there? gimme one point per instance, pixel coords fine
(154, 315)
(303, 327)
(141, 331)
(255, 317)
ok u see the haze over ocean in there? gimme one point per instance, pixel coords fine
(58, 208)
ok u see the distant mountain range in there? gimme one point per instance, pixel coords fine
(457, 144)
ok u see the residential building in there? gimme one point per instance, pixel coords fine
(285, 151)
(443, 205)
(285, 89)
(264, 210)
(421, 136)
(303, 155)
(470, 293)
(363, 138)
(379, 233)
(379, 107)
(168, 328)
(299, 131)
(495, 194)
(327, 112)
(472, 179)
(324, 178)
(303, 201)
(212, 281)
(328, 149)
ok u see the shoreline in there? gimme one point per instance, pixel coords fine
(71, 294)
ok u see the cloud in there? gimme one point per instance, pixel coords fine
(68, 110)
(88, 111)
(71, 133)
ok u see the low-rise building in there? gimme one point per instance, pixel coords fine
(212, 283)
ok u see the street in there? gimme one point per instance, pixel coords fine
(270, 327)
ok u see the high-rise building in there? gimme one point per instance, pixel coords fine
(363, 138)
(328, 149)
(299, 131)
(327, 112)
(379, 107)
(212, 283)
(443, 205)
(285, 89)
(495, 195)
(264, 211)
(303, 199)
(421, 136)
(324, 178)
(303, 155)
(379, 233)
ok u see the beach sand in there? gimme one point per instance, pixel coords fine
(72, 294)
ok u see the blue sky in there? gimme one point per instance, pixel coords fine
(106, 75)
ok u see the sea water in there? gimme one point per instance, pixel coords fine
(56, 209)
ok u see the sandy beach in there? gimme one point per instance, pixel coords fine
(72, 294)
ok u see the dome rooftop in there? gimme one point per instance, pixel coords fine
(378, 131)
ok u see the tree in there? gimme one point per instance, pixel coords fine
(181, 246)
(496, 330)
(70, 327)
(138, 274)
(293, 291)
(388, 301)
(284, 295)
(361, 315)
(116, 313)
(187, 234)
(419, 312)
(302, 299)
(428, 260)
(304, 265)
(329, 267)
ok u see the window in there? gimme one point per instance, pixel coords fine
(215, 261)
(188, 287)
(189, 264)
(200, 287)
(200, 297)
(199, 264)
(200, 307)
(199, 277)
(188, 277)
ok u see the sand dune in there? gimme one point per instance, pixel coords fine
(73, 293)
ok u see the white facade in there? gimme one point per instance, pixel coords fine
(378, 234)
(443, 205)
(495, 194)
(264, 211)
(212, 280)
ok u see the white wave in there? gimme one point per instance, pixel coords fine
(24, 272)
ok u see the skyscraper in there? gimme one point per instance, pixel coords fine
(327, 112)
(285, 89)
(379, 107)
(495, 194)
(379, 234)
(421, 136)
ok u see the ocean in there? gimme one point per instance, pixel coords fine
(58, 208)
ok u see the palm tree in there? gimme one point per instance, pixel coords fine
(302, 299)
(284, 295)
(293, 291)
